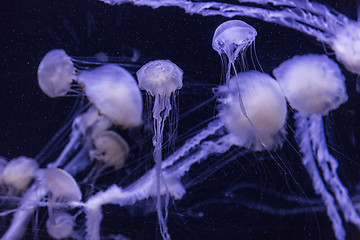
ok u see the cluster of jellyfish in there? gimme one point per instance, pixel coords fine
(252, 112)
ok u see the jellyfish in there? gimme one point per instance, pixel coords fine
(60, 189)
(267, 108)
(314, 85)
(265, 105)
(18, 174)
(114, 92)
(232, 38)
(61, 227)
(160, 78)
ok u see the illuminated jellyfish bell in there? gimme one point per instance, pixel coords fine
(265, 106)
(160, 78)
(56, 73)
(312, 84)
(18, 174)
(114, 92)
(232, 38)
(62, 225)
(110, 148)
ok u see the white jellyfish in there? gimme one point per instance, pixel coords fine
(56, 73)
(232, 38)
(18, 174)
(265, 105)
(61, 226)
(314, 85)
(114, 92)
(160, 78)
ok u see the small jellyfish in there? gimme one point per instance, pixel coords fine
(266, 107)
(313, 84)
(56, 73)
(62, 225)
(18, 174)
(232, 38)
(109, 150)
(114, 92)
(160, 78)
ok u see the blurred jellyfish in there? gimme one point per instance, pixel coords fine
(18, 174)
(314, 85)
(61, 226)
(160, 78)
(114, 92)
(56, 73)
(265, 105)
(326, 25)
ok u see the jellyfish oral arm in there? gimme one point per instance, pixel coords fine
(304, 140)
(23, 213)
(328, 165)
(312, 143)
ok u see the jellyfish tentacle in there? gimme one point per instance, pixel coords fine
(304, 140)
(328, 165)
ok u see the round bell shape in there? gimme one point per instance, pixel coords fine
(312, 84)
(160, 77)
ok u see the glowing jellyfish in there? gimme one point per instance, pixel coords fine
(62, 226)
(265, 105)
(314, 85)
(56, 73)
(109, 150)
(160, 78)
(85, 128)
(232, 38)
(114, 92)
(18, 174)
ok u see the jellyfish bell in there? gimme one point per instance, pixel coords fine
(114, 92)
(62, 226)
(19, 173)
(265, 105)
(56, 73)
(346, 45)
(312, 84)
(61, 185)
(233, 37)
(110, 148)
(160, 77)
